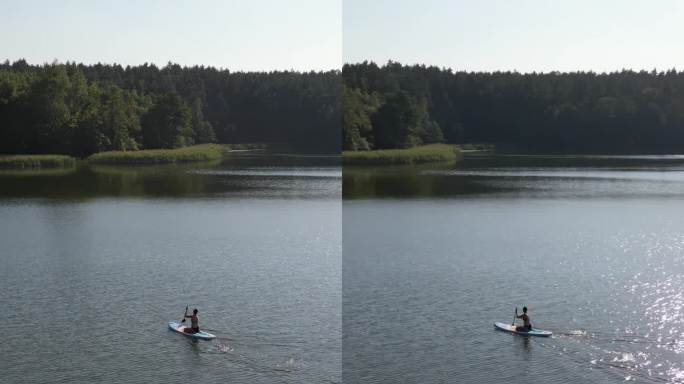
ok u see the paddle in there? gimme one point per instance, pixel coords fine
(186, 313)
(515, 316)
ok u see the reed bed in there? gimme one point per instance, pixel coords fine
(422, 154)
(202, 152)
(36, 161)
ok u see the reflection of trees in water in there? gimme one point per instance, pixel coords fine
(409, 181)
(106, 180)
(180, 180)
(159, 180)
(490, 174)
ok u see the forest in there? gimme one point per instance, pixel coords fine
(400, 106)
(77, 109)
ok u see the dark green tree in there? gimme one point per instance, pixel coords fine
(50, 120)
(204, 133)
(168, 123)
(357, 108)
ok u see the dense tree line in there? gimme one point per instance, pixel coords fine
(81, 109)
(620, 112)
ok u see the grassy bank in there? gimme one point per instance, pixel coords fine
(423, 154)
(195, 153)
(36, 161)
(202, 152)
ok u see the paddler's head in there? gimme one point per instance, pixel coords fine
(194, 311)
(524, 309)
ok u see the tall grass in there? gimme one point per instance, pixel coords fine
(195, 153)
(36, 161)
(416, 155)
(202, 152)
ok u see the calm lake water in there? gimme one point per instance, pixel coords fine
(96, 261)
(594, 246)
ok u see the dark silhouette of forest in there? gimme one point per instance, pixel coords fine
(81, 109)
(394, 106)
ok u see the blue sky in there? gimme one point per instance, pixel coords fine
(234, 34)
(523, 35)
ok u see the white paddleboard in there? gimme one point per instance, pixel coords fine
(175, 326)
(512, 329)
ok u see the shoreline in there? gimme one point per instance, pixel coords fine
(190, 154)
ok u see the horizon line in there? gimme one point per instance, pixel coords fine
(515, 71)
(167, 64)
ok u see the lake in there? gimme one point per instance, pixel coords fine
(434, 255)
(96, 261)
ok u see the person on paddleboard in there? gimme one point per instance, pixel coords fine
(194, 322)
(526, 321)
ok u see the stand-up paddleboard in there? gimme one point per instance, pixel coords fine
(533, 332)
(175, 326)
